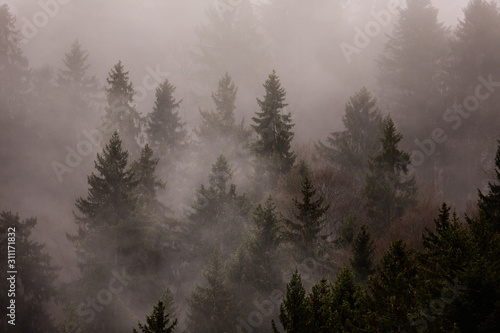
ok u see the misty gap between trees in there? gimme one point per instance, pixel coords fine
(280, 166)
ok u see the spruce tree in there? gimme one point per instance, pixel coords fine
(230, 41)
(148, 185)
(218, 131)
(394, 288)
(219, 214)
(211, 307)
(412, 67)
(321, 308)
(165, 130)
(74, 77)
(273, 128)
(294, 311)
(35, 279)
(351, 148)
(158, 321)
(255, 260)
(388, 190)
(14, 71)
(219, 125)
(489, 204)
(121, 114)
(344, 300)
(363, 249)
(306, 231)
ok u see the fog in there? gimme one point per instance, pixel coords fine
(303, 41)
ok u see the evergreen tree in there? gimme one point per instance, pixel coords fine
(294, 311)
(218, 131)
(14, 71)
(412, 67)
(344, 300)
(230, 41)
(394, 289)
(351, 148)
(489, 204)
(74, 78)
(219, 124)
(148, 185)
(120, 111)
(306, 232)
(473, 56)
(363, 249)
(255, 262)
(158, 321)
(387, 189)
(212, 308)
(321, 308)
(273, 127)
(35, 278)
(165, 130)
(113, 233)
(219, 213)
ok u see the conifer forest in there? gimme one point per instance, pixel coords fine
(249, 166)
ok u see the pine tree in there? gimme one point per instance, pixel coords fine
(294, 313)
(120, 111)
(212, 308)
(306, 232)
(363, 249)
(351, 148)
(387, 189)
(165, 130)
(273, 127)
(35, 278)
(158, 321)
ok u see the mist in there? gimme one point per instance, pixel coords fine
(196, 79)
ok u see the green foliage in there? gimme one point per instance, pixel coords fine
(394, 288)
(294, 312)
(489, 204)
(363, 249)
(273, 127)
(158, 321)
(351, 148)
(388, 191)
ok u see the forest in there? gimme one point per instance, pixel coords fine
(282, 167)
